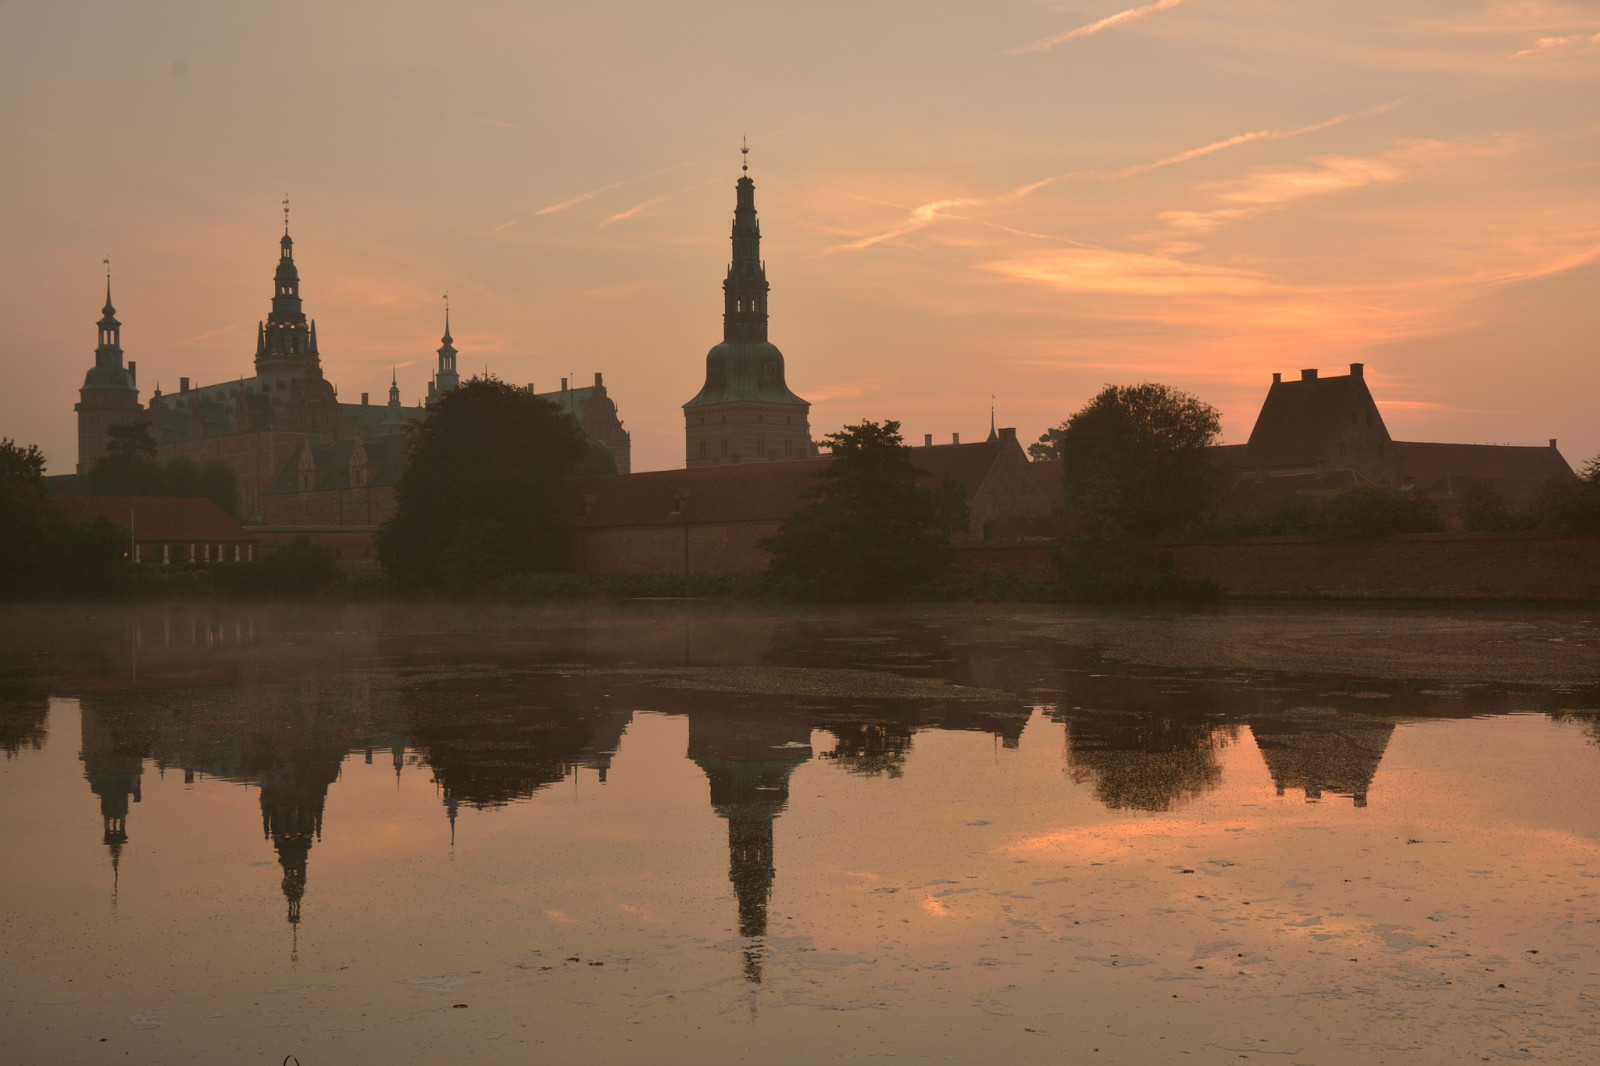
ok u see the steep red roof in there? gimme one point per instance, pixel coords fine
(173, 518)
(1426, 463)
(1300, 421)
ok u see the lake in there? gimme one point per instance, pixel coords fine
(683, 833)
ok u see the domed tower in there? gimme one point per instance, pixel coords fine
(745, 411)
(109, 396)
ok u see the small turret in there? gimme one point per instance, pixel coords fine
(394, 389)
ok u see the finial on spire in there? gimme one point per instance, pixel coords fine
(285, 214)
(744, 151)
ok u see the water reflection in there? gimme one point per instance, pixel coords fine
(499, 709)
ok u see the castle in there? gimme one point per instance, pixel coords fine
(307, 462)
(310, 464)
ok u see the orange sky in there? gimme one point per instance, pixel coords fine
(958, 199)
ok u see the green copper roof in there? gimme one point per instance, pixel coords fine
(108, 377)
(744, 372)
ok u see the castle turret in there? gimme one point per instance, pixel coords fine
(445, 379)
(109, 396)
(745, 412)
(286, 343)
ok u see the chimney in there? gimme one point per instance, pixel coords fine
(1008, 434)
(1277, 379)
(133, 373)
(955, 438)
(531, 389)
(598, 383)
(927, 440)
(183, 384)
(1308, 375)
(1358, 370)
(563, 384)
(1552, 442)
(363, 399)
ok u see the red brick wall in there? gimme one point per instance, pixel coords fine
(707, 548)
(1433, 566)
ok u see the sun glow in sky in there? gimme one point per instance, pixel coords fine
(957, 199)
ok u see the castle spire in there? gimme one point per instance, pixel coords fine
(394, 389)
(744, 316)
(445, 378)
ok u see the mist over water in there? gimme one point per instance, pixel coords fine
(679, 833)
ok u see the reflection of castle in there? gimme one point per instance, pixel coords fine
(748, 764)
(115, 746)
(1336, 753)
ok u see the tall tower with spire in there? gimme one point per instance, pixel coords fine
(445, 379)
(110, 394)
(745, 412)
(286, 343)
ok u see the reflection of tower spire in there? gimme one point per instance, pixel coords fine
(748, 765)
(113, 753)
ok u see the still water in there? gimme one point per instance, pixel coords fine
(680, 834)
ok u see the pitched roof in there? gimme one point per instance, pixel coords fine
(1427, 464)
(748, 492)
(1300, 419)
(177, 518)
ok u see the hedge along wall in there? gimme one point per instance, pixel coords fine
(1425, 566)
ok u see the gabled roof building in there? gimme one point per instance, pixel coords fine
(1318, 435)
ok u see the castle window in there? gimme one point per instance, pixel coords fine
(786, 446)
(761, 447)
(1341, 447)
(702, 449)
(724, 447)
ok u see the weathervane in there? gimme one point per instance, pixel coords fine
(285, 213)
(107, 261)
(744, 150)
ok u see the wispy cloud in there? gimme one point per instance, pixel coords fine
(587, 196)
(850, 390)
(1257, 135)
(1133, 14)
(924, 215)
(639, 209)
(1548, 45)
(919, 218)
(1267, 188)
(209, 335)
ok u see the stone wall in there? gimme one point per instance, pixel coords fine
(1430, 566)
(705, 548)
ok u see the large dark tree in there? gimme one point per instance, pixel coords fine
(872, 527)
(41, 552)
(1139, 454)
(28, 522)
(129, 467)
(486, 476)
(1134, 464)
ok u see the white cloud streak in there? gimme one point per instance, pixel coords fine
(1133, 14)
(586, 197)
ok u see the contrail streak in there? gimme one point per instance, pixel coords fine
(1246, 138)
(1133, 14)
(585, 197)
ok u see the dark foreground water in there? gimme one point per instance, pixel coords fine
(676, 834)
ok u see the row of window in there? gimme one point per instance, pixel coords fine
(166, 554)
